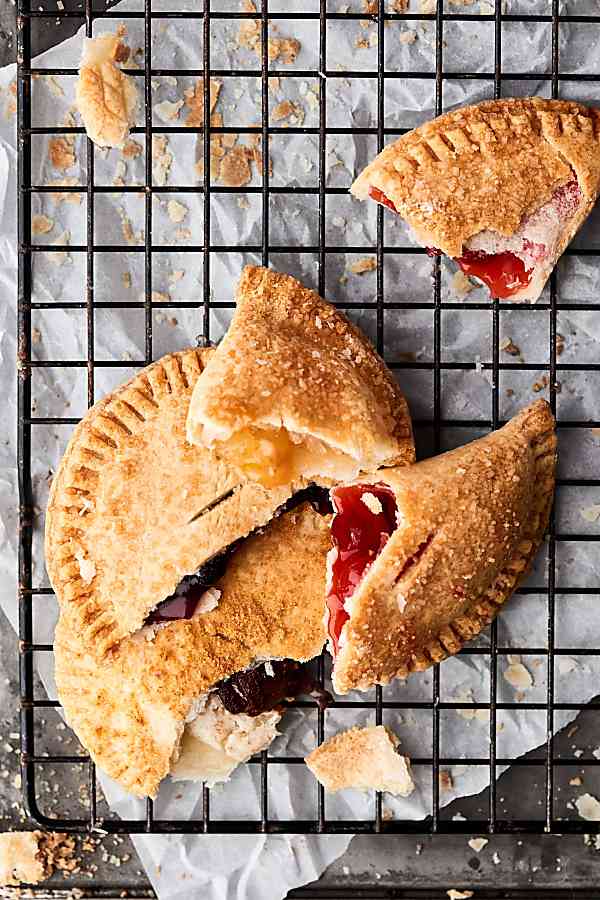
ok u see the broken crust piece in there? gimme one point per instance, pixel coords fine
(362, 758)
(501, 187)
(28, 857)
(295, 390)
(130, 710)
(467, 526)
(106, 98)
(134, 507)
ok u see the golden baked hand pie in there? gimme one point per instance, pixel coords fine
(501, 187)
(295, 390)
(424, 557)
(106, 98)
(134, 507)
(159, 703)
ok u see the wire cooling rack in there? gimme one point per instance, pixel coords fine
(494, 821)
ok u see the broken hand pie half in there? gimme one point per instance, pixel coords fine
(134, 508)
(500, 187)
(106, 98)
(295, 390)
(424, 557)
(196, 696)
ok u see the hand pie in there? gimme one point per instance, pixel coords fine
(295, 390)
(501, 187)
(134, 508)
(362, 758)
(424, 557)
(107, 99)
(195, 696)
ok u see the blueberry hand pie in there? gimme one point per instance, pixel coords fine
(134, 508)
(501, 187)
(200, 687)
(424, 557)
(294, 390)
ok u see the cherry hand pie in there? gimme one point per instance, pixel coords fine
(197, 694)
(501, 187)
(134, 508)
(424, 557)
(294, 390)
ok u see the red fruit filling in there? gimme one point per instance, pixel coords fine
(379, 197)
(504, 273)
(365, 517)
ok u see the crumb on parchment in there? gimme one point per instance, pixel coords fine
(360, 266)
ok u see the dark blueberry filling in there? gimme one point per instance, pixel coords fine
(255, 691)
(183, 602)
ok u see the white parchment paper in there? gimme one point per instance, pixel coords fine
(250, 868)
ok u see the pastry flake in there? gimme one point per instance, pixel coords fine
(106, 98)
(362, 758)
(159, 702)
(28, 857)
(409, 585)
(134, 508)
(295, 390)
(501, 187)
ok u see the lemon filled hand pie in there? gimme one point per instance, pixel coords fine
(424, 557)
(294, 390)
(501, 187)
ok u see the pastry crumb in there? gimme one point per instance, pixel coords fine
(234, 170)
(61, 153)
(591, 513)
(446, 781)
(131, 149)
(283, 110)
(507, 346)
(176, 276)
(518, 676)
(126, 279)
(194, 102)
(408, 36)
(459, 895)
(372, 503)
(87, 569)
(177, 211)
(429, 7)
(477, 844)
(538, 386)
(588, 807)
(360, 266)
(41, 224)
(576, 781)
(168, 110)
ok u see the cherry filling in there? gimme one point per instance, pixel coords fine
(365, 517)
(379, 197)
(264, 687)
(504, 273)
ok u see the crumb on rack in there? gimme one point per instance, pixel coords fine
(168, 110)
(235, 170)
(508, 346)
(518, 676)
(132, 149)
(176, 211)
(360, 266)
(162, 159)
(194, 102)
(446, 781)
(61, 153)
(41, 224)
(588, 807)
(477, 844)
(461, 285)
(538, 386)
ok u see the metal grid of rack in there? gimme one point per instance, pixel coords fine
(493, 822)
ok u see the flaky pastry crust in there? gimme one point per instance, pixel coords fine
(129, 710)
(362, 758)
(291, 360)
(134, 507)
(106, 98)
(486, 167)
(469, 525)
